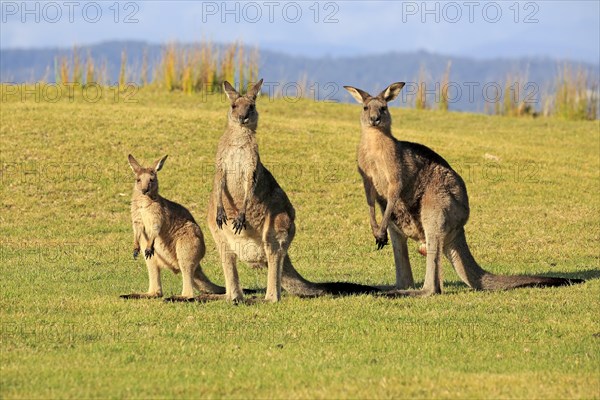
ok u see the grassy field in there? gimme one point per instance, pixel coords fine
(66, 258)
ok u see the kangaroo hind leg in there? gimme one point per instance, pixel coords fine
(277, 239)
(188, 258)
(404, 276)
(233, 289)
(433, 223)
(433, 272)
(154, 283)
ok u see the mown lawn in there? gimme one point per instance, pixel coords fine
(66, 257)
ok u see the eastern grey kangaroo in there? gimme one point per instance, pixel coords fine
(422, 198)
(262, 217)
(169, 236)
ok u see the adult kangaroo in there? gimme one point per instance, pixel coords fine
(422, 198)
(262, 216)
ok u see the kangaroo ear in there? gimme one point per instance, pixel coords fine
(255, 90)
(231, 93)
(359, 95)
(135, 166)
(159, 163)
(391, 92)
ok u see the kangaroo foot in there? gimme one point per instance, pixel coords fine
(246, 301)
(221, 290)
(141, 296)
(406, 293)
(179, 299)
(206, 297)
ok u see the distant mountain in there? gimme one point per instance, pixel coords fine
(472, 81)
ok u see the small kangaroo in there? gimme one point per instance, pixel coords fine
(422, 198)
(262, 226)
(169, 235)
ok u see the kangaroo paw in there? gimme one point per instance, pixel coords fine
(149, 252)
(239, 223)
(381, 240)
(221, 217)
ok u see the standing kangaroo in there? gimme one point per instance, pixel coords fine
(422, 198)
(169, 236)
(262, 226)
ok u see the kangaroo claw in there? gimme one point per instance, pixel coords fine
(381, 240)
(239, 223)
(149, 252)
(221, 217)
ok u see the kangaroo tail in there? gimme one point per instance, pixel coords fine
(500, 282)
(203, 284)
(295, 284)
(476, 277)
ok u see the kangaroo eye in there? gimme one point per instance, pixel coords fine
(251, 108)
(365, 108)
(383, 109)
(233, 106)
(139, 180)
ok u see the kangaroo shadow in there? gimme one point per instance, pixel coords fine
(586, 275)
(254, 295)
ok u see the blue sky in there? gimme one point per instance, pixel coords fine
(481, 29)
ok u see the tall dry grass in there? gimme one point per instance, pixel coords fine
(123, 69)
(90, 70)
(144, 69)
(204, 67)
(516, 101)
(576, 95)
(77, 76)
(444, 103)
(421, 96)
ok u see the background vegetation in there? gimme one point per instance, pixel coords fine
(518, 87)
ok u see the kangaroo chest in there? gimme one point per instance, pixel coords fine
(150, 216)
(380, 176)
(378, 161)
(239, 165)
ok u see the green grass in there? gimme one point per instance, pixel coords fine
(66, 257)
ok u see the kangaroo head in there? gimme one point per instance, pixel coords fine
(146, 179)
(242, 111)
(375, 111)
